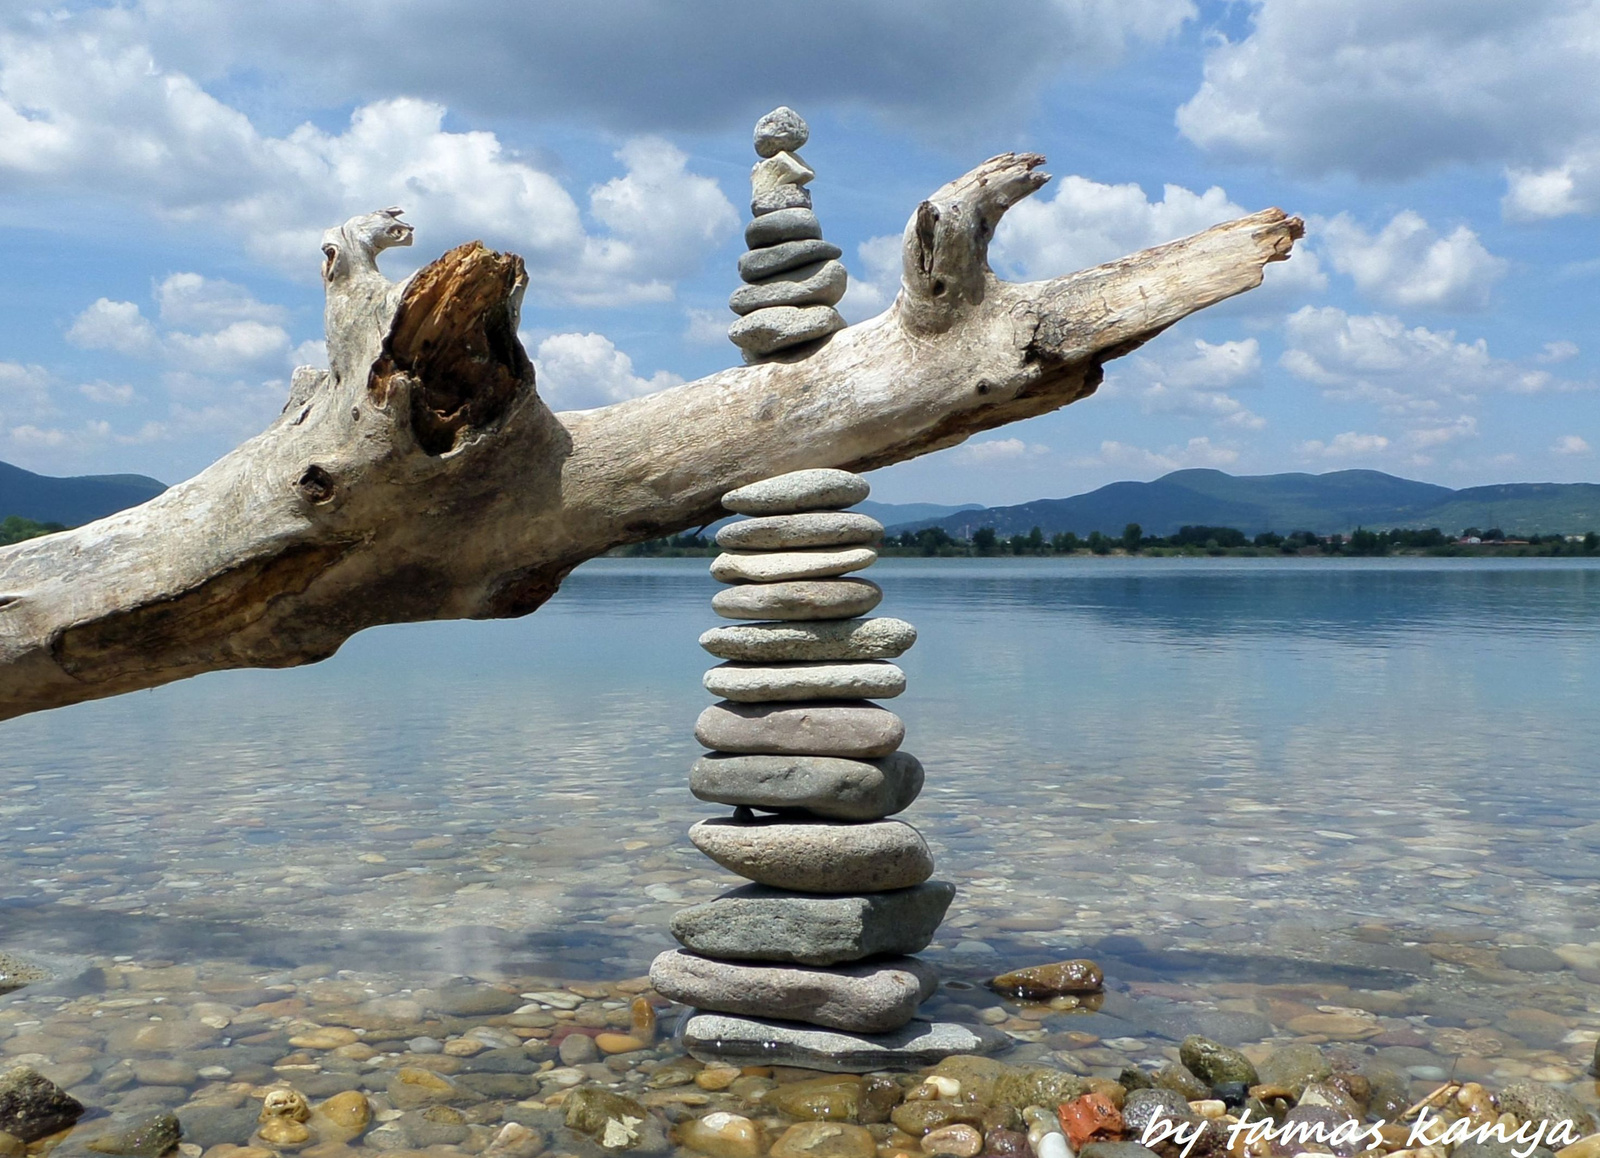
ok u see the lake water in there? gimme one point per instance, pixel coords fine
(1256, 787)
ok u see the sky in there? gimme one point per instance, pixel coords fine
(167, 168)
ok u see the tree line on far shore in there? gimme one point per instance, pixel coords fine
(935, 542)
(15, 528)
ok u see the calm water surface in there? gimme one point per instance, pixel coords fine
(1249, 773)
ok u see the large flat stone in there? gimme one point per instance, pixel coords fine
(817, 489)
(818, 856)
(823, 640)
(798, 599)
(755, 683)
(861, 998)
(798, 224)
(759, 264)
(783, 566)
(778, 327)
(754, 922)
(854, 729)
(827, 786)
(749, 1041)
(820, 284)
(799, 532)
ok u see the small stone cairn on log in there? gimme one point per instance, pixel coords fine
(809, 965)
(793, 277)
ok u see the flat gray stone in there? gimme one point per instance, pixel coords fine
(762, 683)
(757, 264)
(747, 1041)
(818, 856)
(870, 998)
(817, 489)
(883, 637)
(781, 131)
(782, 566)
(797, 532)
(820, 284)
(781, 197)
(779, 327)
(855, 729)
(798, 599)
(798, 224)
(828, 786)
(754, 922)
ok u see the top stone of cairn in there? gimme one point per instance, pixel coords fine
(781, 131)
(800, 490)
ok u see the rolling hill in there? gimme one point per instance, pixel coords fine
(1325, 503)
(71, 501)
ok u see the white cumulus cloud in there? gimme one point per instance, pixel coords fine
(996, 450)
(1404, 369)
(1428, 437)
(874, 280)
(227, 333)
(578, 371)
(1386, 90)
(1190, 381)
(1571, 444)
(117, 326)
(1350, 444)
(1197, 452)
(86, 108)
(1408, 263)
(1086, 223)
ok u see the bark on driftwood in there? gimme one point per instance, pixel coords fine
(422, 477)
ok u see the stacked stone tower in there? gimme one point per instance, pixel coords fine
(841, 894)
(793, 277)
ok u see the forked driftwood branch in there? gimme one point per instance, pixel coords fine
(422, 477)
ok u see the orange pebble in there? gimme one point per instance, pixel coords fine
(1084, 1118)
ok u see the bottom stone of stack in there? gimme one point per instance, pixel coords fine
(862, 998)
(757, 923)
(713, 1037)
(773, 328)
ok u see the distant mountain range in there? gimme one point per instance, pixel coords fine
(891, 514)
(71, 501)
(1325, 503)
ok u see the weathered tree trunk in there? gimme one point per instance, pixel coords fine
(422, 477)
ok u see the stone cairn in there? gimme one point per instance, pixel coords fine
(793, 277)
(841, 894)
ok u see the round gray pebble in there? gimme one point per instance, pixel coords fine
(781, 130)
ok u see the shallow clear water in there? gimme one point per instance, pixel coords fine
(1253, 773)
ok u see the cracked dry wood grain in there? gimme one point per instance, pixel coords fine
(422, 477)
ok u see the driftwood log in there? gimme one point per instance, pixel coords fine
(422, 477)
